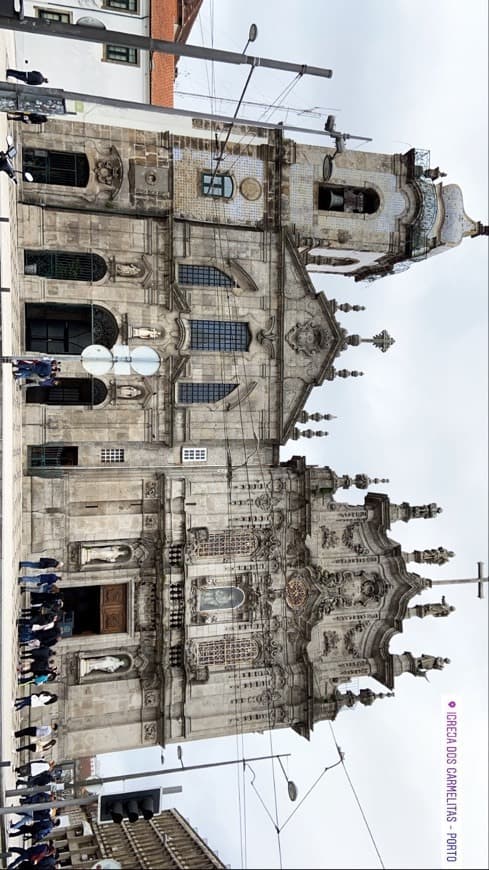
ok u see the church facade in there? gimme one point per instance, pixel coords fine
(208, 587)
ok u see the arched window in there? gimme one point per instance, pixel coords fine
(58, 329)
(69, 391)
(352, 200)
(228, 651)
(217, 185)
(68, 168)
(207, 276)
(65, 265)
(225, 335)
(191, 394)
(220, 598)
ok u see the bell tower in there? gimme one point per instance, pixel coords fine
(367, 214)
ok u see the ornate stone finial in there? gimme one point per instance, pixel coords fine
(382, 340)
(365, 696)
(406, 512)
(345, 373)
(434, 173)
(307, 433)
(362, 481)
(482, 229)
(438, 609)
(345, 306)
(304, 417)
(430, 557)
(419, 665)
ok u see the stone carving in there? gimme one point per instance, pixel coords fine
(105, 553)
(330, 538)
(250, 188)
(424, 663)
(149, 732)
(268, 337)
(266, 501)
(130, 270)
(108, 171)
(308, 338)
(351, 639)
(435, 609)
(150, 698)
(295, 593)
(105, 664)
(345, 589)
(146, 333)
(437, 556)
(150, 521)
(269, 696)
(330, 642)
(150, 489)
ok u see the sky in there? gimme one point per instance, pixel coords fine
(406, 74)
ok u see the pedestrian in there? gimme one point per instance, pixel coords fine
(32, 768)
(44, 778)
(33, 853)
(28, 117)
(42, 382)
(36, 731)
(36, 831)
(30, 77)
(48, 579)
(45, 597)
(43, 562)
(26, 368)
(41, 654)
(37, 699)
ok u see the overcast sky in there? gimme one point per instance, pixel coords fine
(405, 73)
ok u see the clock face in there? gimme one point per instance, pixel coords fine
(295, 593)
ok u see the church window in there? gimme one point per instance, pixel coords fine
(207, 276)
(69, 391)
(112, 454)
(52, 455)
(227, 651)
(227, 543)
(352, 200)
(68, 168)
(58, 329)
(65, 265)
(224, 335)
(220, 598)
(121, 54)
(191, 394)
(194, 454)
(220, 185)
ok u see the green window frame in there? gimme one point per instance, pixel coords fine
(121, 54)
(221, 185)
(52, 15)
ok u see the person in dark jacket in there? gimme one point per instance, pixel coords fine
(41, 654)
(46, 580)
(43, 778)
(33, 853)
(28, 117)
(30, 77)
(37, 830)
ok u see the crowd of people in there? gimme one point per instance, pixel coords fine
(39, 632)
(37, 372)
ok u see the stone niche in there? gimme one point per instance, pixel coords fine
(100, 555)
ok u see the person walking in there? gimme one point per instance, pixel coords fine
(45, 597)
(37, 699)
(28, 117)
(27, 368)
(33, 853)
(42, 654)
(36, 731)
(37, 746)
(43, 562)
(41, 580)
(32, 768)
(29, 77)
(44, 778)
(36, 831)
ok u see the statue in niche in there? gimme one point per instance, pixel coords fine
(220, 598)
(129, 270)
(146, 332)
(105, 664)
(101, 553)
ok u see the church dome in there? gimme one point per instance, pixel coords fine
(455, 222)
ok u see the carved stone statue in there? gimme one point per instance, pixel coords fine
(103, 553)
(129, 270)
(427, 663)
(106, 664)
(435, 609)
(145, 332)
(437, 556)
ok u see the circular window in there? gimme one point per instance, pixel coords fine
(250, 188)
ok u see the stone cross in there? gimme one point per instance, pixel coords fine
(480, 580)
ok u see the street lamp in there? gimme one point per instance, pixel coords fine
(252, 34)
(180, 755)
(291, 786)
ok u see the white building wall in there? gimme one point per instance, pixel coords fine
(80, 66)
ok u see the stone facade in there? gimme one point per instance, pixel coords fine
(208, 587)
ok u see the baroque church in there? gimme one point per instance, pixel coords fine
(208, 587)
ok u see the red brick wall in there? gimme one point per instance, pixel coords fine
(164, 20)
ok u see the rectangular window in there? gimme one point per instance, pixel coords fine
(46, 456)
(207, 276)
(190, 394)
(220, 185)
(121, 54)
(123, 5)
(194, 454)
(112, 454)
(224, 335)
(48, 15)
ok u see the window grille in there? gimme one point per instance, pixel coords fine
(227, 543)
(125, 5)
(112, 454)
(121, 54)
(46, 456)
(226, 335)
(68, 168)
(48, 15)
(222, 185)
(58, 329)
(194, 454)
(65, 265)
(69, 391)
(208, 276)
(227, 651)
(191, 394)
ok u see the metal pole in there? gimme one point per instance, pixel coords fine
(146, 43)
(72, 802)
(102, 780)
(148, 107)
